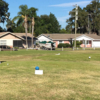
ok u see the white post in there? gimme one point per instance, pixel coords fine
(92, 43)
(62, 48)
(73, 48)
(85, 43)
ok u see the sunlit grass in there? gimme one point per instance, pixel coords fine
(68, 76)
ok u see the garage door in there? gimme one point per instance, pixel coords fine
(96, 43)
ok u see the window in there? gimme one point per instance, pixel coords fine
(60, 42)
(3, 42)
(83, 41)
(17, 43)
(87, 42)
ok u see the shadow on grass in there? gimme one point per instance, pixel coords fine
(2, 61)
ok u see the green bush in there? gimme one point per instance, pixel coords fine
(78, 43)
(8, 47)
(16, 48)
(67, 45)
(64, 45)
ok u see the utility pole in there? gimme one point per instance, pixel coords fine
(89, 15)
(76, 18)
(33, 22)
(88, 25)
(25, 20)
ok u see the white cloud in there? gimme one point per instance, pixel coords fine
(63, 19)
(81, 3)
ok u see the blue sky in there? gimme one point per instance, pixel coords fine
(60, 8)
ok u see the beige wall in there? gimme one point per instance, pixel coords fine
(9, 39)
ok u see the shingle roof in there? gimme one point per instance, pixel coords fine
(1, 33)
(22, 35)
(69, 36)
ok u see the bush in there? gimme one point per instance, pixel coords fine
(64, 45)
(16, 48)
(8, 47)
(77, 43)
(67, 45)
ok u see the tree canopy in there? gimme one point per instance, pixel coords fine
(19, 20)
(46, 24)
(4, 14)
(43, 23)
(88, 19)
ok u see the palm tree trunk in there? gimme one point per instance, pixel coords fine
(32, 34)
(26, 34)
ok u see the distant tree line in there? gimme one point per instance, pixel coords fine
(88, 19)
(3, 12)
(43, 23)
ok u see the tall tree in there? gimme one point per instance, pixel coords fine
(4, 11)
(10, 25)
(88, 20)
(29, 12)
(46, 24)
(55, 27)
(82, 22)
(42, 24)
(93, 10)
(63, 31)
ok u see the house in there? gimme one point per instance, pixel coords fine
(88, 40)
(15, 39)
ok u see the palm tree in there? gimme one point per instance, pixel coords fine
(31, 12)
(20, 18)
(10, 25)
(24, 17)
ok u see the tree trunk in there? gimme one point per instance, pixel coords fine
(99, 32)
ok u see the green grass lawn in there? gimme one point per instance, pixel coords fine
(69, 76)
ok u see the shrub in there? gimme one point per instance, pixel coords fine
(16, 48)
(64, 45)
(8, 47)
(77, 43)
(67, 45)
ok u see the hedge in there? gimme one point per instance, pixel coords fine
(64, 45)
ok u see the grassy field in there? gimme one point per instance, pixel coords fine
(69, 76)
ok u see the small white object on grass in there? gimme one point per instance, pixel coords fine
(89, 57)
(7, 64)
(38, 72)
(58, 54)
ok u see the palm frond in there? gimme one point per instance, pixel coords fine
(16, 18)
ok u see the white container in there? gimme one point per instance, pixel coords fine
(39, 72)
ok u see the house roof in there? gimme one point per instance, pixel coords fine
(56, 36)
(20, 35)
(23, 35)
